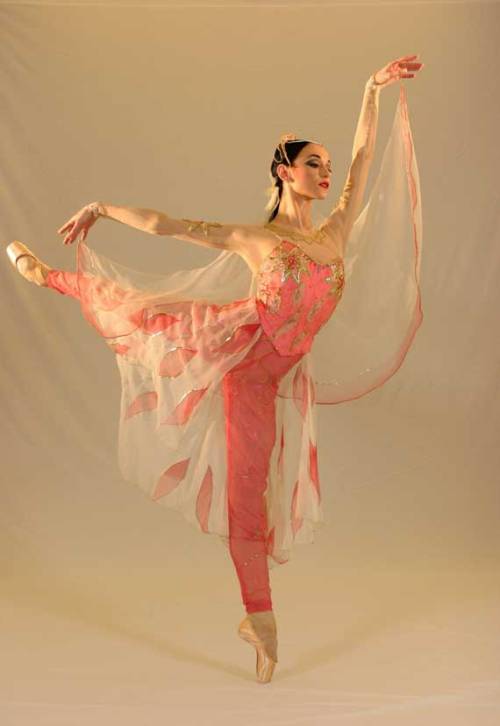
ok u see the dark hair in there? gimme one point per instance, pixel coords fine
(292, 150)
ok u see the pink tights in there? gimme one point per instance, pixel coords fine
(249, 390)
(249, 398)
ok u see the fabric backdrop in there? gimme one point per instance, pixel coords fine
(113, 609)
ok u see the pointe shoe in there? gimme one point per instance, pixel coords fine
(259, 629)
(33, 270)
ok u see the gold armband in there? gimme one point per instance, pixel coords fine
(195, 224)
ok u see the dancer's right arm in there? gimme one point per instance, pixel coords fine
(209, 234)
(199, 231)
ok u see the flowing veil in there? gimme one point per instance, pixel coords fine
(367, 338)
(175, 336)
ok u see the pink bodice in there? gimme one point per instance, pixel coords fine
(296, 296)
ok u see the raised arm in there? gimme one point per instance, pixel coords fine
(341, 219)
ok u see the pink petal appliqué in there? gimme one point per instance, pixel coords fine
(270, 541)
(185, 408)
(175, 361)
(280, 455)
(119, 348)
(158, 323)
(144, 402)
(239, 338)
(204, 499)
(170, 479)
(313, 467)
(301, 392)
(296, 521)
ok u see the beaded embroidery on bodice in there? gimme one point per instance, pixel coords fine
(296, 296)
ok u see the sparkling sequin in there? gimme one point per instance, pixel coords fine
(318, 236)
(296, 292)
(337, 278)
(271, 297)
(292, 264)
(288, 325)
(314, 309)
(300, 337)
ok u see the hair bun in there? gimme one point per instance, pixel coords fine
(285, 138)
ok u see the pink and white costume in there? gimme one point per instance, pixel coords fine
(221, 369)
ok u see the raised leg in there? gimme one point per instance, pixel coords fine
(27, 263)
(63, 281)
(34, 270)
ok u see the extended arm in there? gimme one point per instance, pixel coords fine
(209, 234)
(340, 221)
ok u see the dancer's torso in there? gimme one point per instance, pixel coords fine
(296, 295)
(261, 241)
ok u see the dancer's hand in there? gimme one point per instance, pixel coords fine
(82, 221)
(404, 67)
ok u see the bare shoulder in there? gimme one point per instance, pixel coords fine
(332, 230)
(331, 233)
(254, 242)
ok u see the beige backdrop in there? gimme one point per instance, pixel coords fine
(115, 610)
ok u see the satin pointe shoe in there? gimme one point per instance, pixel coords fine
(32, 269)
(259, 629)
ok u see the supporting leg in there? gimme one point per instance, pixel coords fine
(249, 397)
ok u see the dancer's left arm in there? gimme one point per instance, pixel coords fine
(341, 219)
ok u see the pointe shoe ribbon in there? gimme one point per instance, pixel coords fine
(259, 630)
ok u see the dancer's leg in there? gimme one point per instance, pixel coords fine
(249, 394)
(249, 397)
(64, 282)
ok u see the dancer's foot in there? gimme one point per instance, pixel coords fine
(259, 629)
(27, 264)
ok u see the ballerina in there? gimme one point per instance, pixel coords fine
(219, 386)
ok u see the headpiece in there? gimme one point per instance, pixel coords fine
(273, 190)
(283, 140)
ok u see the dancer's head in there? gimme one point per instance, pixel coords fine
(298, 165)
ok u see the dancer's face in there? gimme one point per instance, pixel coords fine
(311, 167)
